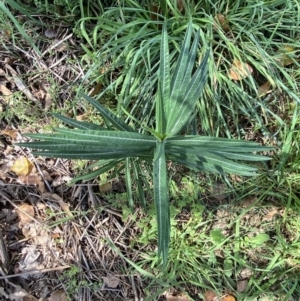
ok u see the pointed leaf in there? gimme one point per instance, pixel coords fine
(92, 137)
(80, 124)
(216, 144)
(164, 70)
(218, 161)
(114, 154)
(107, 114)
(185, 107)
(97, 172)
(161, 200)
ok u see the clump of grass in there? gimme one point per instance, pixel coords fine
(129, 36)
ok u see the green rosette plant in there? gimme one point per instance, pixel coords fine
(126, 148)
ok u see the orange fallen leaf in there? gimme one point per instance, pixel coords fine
(228, 298)
(25, 212)
(22, 166)
(239, 70)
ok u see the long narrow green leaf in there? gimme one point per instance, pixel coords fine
(244, 157)
(208, 165)
(186, 106)
(163, 94)
(164, 71)
(96, 137)
(97, 172)
(180, 69)
(84, 148)
(217, 144)
(214, 159)
(94, 155)
(113, 119)
(80, 124)
(161, 200)
(128, 183)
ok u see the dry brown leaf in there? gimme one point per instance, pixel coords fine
(48, 101)
(285, 56)
(96, 89)
(239, 70)
(7, 94)
(180, 5)
(223, 21)
(242, 285)
(22, 166)
(248, 201)
(59, 295)
(111, 281)
(25, 212)
(64, 206)
(264, 89)
(179, 297)
(31, 179)
(228, 298)
(41, 187)
(84, 116)
(272, 213)
(61, 47)
(105, 187)
(245, 273)
(210, 296)
(11, 133)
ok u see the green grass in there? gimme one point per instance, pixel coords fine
(129, 42)
(211, 246)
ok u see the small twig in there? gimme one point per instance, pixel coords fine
(36, 272)
(136, 296)
(3, 253)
